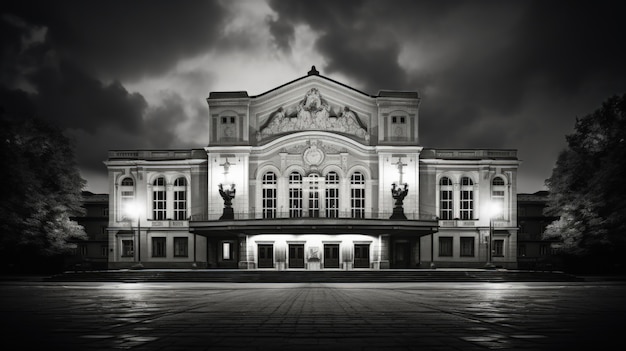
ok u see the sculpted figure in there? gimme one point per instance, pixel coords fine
(227, 195)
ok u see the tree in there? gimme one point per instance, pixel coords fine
(42, 190)
(588, 189)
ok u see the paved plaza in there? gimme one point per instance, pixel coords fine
(313, 316)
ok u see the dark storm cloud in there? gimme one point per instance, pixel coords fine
(120, 39)
(491, 54)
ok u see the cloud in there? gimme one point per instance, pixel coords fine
(123, 40)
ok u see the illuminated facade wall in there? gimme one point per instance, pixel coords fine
(313, 163)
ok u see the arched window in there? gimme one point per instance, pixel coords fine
(180, 199)
(357, 195)
(445, 199)
(269, 195)
(314, 195)
(127, 197)
(497, 197)
(295, 195)
(332, 195)
(467, 198)
(159, 208)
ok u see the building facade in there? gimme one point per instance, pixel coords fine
(93, 252)
(534, 252)
(313, 174)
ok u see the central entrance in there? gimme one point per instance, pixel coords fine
(331, 255)
(361, 256)
(296, 255)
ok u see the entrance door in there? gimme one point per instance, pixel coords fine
(361, 255)
(331, 255)
(296, 255)
(402, 254)
(266, 255)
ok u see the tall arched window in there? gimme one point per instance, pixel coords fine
(159, 207)
(180, 199)
(445, 199)
(467, 198)
(269, 195)
(314, 195)
(127, 196)
(332, 195)
(357, 195)
(295, 195)
(497, 196)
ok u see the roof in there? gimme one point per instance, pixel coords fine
(313, 72)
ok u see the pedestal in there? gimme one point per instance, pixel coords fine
(398, 213)
(228, 213)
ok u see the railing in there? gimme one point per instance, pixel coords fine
(321, 216)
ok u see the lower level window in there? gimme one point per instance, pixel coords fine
(128, 248)
(467, 247)
(158, 247)
(181, 247)
(498, 248)
(445, 246)
(226, 251)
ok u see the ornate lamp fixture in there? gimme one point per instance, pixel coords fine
(227, 193)
(399, 193)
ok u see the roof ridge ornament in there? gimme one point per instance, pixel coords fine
(313, 72)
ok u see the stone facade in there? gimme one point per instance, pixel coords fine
(313, 174)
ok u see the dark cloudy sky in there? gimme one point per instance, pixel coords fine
(135, 74)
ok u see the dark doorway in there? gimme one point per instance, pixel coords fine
(331, 255)
(361, 255)
(296, 255)
(402, 254)
(266, 255)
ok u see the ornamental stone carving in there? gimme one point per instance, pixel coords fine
(313, 112)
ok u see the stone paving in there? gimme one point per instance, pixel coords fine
(313, 316)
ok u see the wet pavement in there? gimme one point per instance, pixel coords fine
(313, 316)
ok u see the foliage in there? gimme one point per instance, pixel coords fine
(42, 190)
(588, 187)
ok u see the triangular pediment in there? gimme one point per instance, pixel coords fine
(313, 103)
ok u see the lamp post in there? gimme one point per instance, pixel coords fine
(134, 210)
(227, 193)
(493, 210)
(399, 193)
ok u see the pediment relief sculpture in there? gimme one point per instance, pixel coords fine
(313, 112)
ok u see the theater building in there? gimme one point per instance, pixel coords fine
(312, 175)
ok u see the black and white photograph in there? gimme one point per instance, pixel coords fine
(312, 174)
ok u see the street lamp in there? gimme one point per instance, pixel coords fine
(493, 211)
(227, 192)
(398, 193)
(133, 210)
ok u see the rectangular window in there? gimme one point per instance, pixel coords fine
(445, 203)
(467, 205)
(158, 247)
(181, 247)
(128, 248)
(104, 250)
(332, 203)
(544, 250)
(83, 250)
(295, 202)
(521, 250)
(498, 248)
(269, 203)
(158, 205)
(467, 246)
(180, 205)
(226, 247)
(105, 212)
(358, 203)
(445, 246)
(314, 202)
